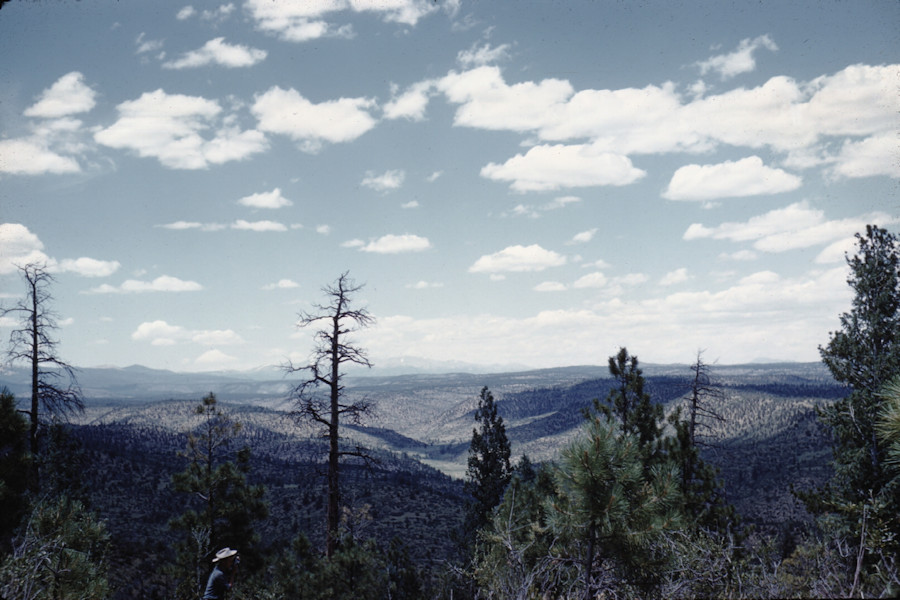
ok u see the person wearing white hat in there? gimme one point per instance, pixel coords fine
(222, 577)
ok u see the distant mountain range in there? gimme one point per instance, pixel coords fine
(267, 384)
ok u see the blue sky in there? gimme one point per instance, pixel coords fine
(516, 183)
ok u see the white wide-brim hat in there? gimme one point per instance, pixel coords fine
(224, 553)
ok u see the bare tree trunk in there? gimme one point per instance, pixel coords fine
(35, 387)
(334, 496)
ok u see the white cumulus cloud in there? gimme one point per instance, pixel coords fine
(281, 284)
(67, 96)
(20, 247)
(731, 179)
(389, 180)
(259, 226)
(396, 244)
(795, 226)
(287, 112)
(163, 283)
(545, 168)
(518, 259)
(272, 199)
(170, 128)
(304, 21)
(219, 52)
(739, 61)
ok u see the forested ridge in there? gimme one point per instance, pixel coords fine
(649, 481)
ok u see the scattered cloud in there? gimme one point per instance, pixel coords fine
(584, 236)
(782, 114)
(411, 104)
(305, 21)
(145, 46)
(547, 168)
(186, 13)
(161, 333)
(281, 284)
(796, 311)
(534, 211)
(396, 244)
(410, 204)
(32, 156)
(287, 112)
(424, 285)
(591, 280)
(740, 255)
(675, 277)
(218, 52)
(518, 259)
(272, 199)
(259, 226)
(740, 60)
(168, 127)
(87, 267)
(323, 229)
(20, 247)
(69, 95)
(163, 283)
(215, 359)
(477, 56)
(795, 226)
(185, 225)
(870, 157)
(550, 286)
(389, 180)
(434, 176)
(731, 179)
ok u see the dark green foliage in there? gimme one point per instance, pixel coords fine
(861, 504)
(515, 547)
(889, 425)
(489, 469)
(611, 511)
(223, 506)
(357, 569)
(14, 467)
(61, 555)
(61, 462)
(632, 406)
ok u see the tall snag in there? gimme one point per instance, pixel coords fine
(333, 350)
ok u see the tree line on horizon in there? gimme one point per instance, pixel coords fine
(630, 509)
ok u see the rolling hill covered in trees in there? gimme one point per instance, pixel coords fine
(132, 432)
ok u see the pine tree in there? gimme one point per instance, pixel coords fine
(515, 561)
(611, 512)
(14, 467)
(889, 425)
(489, 469)
(223, 506)
(60, 555)
(862, 500)
(631, 406)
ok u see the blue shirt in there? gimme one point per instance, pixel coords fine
(217, 585)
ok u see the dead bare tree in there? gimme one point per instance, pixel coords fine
(333, 349)
(54, 386)
(704, 392)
